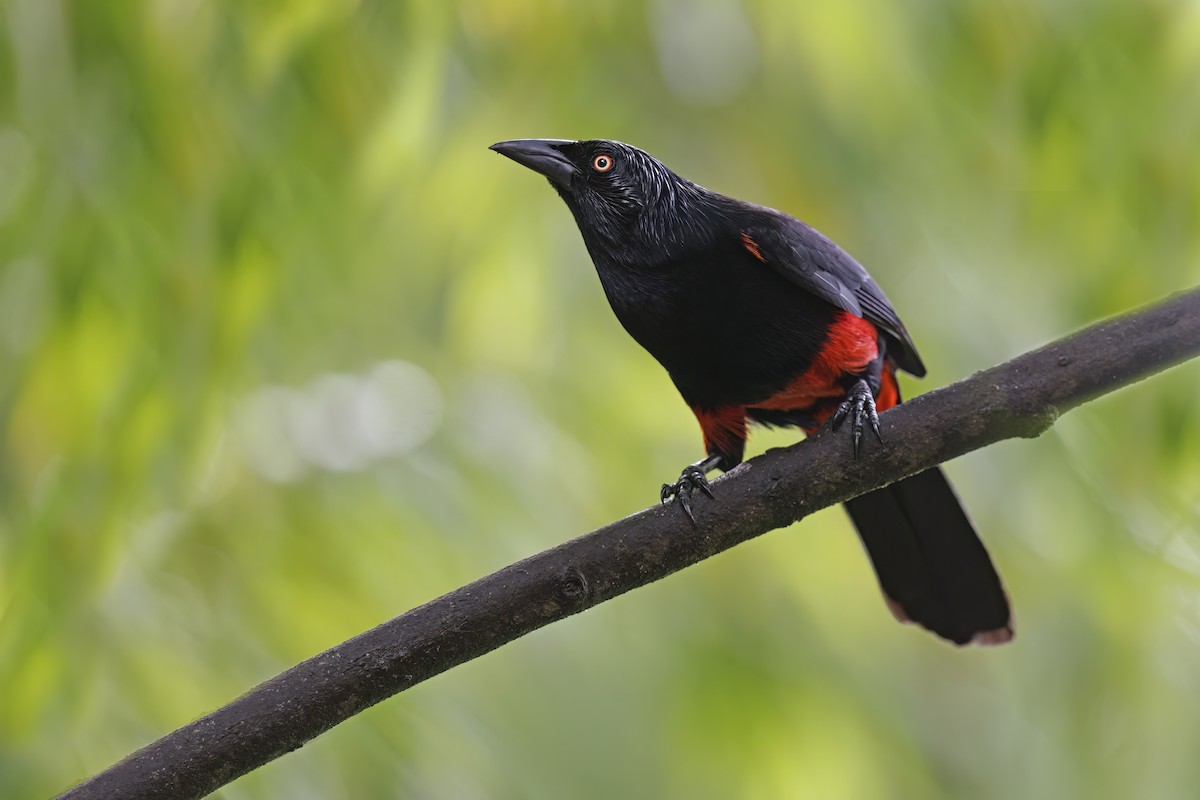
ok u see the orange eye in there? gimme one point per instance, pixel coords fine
(602, 162)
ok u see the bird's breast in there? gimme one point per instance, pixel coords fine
(723, 336)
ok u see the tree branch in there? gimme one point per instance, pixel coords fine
(1022, 397)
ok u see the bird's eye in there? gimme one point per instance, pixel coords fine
(602, 162)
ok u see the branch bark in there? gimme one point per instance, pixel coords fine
(1022, 397)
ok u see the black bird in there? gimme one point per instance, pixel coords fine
(758, 317)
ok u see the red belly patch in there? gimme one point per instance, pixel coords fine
(851, 345)
(724, 428)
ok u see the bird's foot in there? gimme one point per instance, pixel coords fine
(859, 407)
(692, 479)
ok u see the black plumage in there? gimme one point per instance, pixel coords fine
(758, 317)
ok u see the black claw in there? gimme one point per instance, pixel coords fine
(859, 406)
(691, 480)
(685, 502)
(839, 416)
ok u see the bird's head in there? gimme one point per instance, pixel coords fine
(625, 201)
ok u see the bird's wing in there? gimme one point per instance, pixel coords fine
(810, 260)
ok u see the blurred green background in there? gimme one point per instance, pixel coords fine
(285, 351)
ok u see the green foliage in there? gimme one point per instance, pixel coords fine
(285, 351)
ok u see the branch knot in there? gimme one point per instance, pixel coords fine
(573, 587)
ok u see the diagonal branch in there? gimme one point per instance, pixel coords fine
(1022, 397)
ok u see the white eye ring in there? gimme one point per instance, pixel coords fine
(602, 163)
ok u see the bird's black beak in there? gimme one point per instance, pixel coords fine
(542, 156)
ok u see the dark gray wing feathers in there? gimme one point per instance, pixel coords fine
(808, 258)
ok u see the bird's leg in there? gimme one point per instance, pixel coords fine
(694, 477)
(859, 406)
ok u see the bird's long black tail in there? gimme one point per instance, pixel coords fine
(931, 565)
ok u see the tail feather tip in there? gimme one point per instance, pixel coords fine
(994, 637)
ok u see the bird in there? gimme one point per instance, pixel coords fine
(757, 317)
